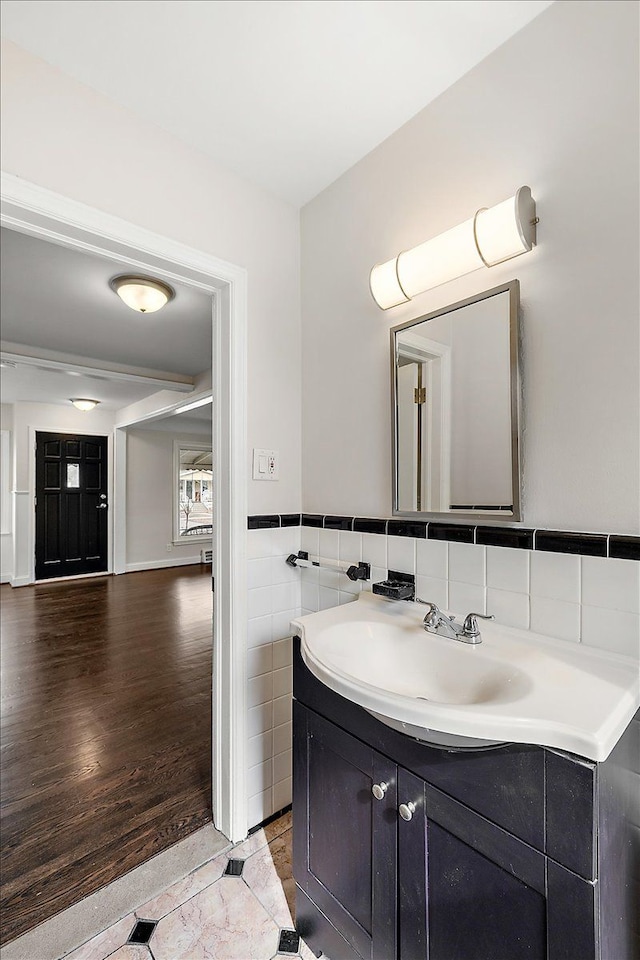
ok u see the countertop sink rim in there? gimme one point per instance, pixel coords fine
(530, 717)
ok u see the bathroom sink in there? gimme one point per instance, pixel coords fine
(515, 686)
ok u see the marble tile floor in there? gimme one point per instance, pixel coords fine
(207, 915)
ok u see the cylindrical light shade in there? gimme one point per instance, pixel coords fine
(383, 282)
(142, 293)
(508, 229)
(84, 404)
(491, 237)
(437, 261)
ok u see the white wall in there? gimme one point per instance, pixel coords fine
(150, 491)
(6, 538)
(63, 136)
(556, 107)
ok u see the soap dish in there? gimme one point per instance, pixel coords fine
(395, 589)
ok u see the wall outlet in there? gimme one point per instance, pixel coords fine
(169, 547)
(266, 464)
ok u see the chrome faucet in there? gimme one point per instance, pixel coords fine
(440, 623)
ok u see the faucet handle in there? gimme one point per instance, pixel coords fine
(433, 615)
(470, 626)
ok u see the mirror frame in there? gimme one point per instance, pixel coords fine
(512, 287)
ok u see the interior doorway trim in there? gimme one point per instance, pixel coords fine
(33, 210)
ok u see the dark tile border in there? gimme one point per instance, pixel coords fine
(455, 532)
(274, 816)
(368, 525)
(407, 528)
(338, 523)
(585, 544)
(263, 521)
(290, 519)
(312, 519)
(522, 538)
(505, 537)
(624, 548)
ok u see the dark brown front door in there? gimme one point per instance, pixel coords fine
(71, 505)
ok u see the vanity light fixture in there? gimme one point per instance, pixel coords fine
(142, 293)
(493, 235)
(82, 403)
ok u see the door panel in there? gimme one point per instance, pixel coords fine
(341, 790)
(346, 863)
(477, 909)
(468, 889)
(71, 505)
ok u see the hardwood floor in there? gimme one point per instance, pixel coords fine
(105, 732)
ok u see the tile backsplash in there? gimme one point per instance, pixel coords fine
(574, 597)
(588, 597)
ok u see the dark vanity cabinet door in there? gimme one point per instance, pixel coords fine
(344, 842)
(468, 889)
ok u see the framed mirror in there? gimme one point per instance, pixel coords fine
(455, 391)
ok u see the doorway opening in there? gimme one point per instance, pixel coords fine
(33, 212)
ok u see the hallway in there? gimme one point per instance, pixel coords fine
(105, 731)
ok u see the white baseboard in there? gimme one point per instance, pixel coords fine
(6, 577)
(158, 564)
(21, 581)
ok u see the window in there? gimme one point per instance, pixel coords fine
(193, 491)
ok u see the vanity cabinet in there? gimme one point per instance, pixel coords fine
(403, 851)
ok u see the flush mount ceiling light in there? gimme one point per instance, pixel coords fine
(142, 293)
(82, 403)
(492, 236)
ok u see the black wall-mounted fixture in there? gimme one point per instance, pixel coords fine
(397, 586)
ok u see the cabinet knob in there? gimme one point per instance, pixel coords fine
(379, 790)
(407, 810)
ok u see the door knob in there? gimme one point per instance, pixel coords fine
(379, 790)
(407, 810)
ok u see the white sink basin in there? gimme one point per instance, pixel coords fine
(515, 686)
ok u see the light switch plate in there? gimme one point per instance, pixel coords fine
(266, 464)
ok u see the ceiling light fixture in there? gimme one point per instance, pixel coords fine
(194, 406)
(492, 236)
(142, 293)
(82, 403)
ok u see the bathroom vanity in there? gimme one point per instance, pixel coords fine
(408, 850)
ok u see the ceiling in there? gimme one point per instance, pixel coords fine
(287, 93)
(24, 384)
(59, 299)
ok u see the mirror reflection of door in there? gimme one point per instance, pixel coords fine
(423, 418)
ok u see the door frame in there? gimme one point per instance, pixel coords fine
(38, 212)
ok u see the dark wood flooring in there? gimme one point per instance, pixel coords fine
(105, 732)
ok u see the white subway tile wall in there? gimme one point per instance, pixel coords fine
(274, 600)
(591, 600)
